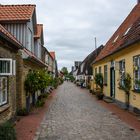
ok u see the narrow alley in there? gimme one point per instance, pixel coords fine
(75, 115)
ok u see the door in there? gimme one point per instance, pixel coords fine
(112, 82)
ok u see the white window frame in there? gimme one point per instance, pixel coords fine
(1, 93)
(105, 74)
(122, 71)
(10, 60)
(138, 66)
(12, 67)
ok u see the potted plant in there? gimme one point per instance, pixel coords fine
(126, 87)
(99, 82)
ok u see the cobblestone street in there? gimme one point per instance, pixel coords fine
(75, 115)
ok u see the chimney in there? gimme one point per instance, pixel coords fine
(138, 1)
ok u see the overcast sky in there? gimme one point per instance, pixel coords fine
(70, 26)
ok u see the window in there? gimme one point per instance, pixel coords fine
(136, 72)
(122, 72)
(127, 31)
(100, 70)
(105, 74)
(115, 39)
(5, 66)
(3, 90)
(95, 71)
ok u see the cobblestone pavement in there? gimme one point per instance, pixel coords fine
(75, 115)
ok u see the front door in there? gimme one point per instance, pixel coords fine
(112, 82)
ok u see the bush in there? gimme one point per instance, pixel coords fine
(61, 80)
(22, 112)
(44, 96)
(7, 131)
(40, 103)
(55, 82)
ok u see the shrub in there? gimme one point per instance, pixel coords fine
(99, 82)
(55, 82)
(7, 131)
(40, 103)
(61, 80)
(22, 112)
(44, 96)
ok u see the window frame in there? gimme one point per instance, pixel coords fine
(11, 66)
(100, 69)
(122, 71)
(138, 67)
(105, 74)
(2, 103)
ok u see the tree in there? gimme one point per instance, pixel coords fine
(65, 71)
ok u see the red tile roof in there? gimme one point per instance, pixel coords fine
(9, 36)
(52, 54)
(39, 29)
(16, 12)
(119, 38)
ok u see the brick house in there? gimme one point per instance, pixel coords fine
(9, 48)
(21, 22)
(54, 69)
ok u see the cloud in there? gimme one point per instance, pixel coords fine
(71, 25)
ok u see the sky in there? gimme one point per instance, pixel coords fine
(70, 26)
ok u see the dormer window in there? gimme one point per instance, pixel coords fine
(116, 39)
(127, 31)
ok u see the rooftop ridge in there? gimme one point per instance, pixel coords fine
(4, 5)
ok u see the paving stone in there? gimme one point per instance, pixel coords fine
(74, 115)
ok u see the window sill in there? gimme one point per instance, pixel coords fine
(4, 108)
(136, 91)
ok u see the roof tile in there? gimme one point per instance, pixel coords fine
(16, 12)
(112, 46)
(39, 30)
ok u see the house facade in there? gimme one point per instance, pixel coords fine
(121, 55)
(85, 68)
(9, 48)
(23, 26)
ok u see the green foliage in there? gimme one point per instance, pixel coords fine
(7, 131)
(22, 112)
(44, 96)
(70, 77)
(61, 80)
(127, 83)
(31, 82)
(40, 103)
(99, 80)
(37, 80)
(55, 82)
(65, 71)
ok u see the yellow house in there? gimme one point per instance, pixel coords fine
(121, 55)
